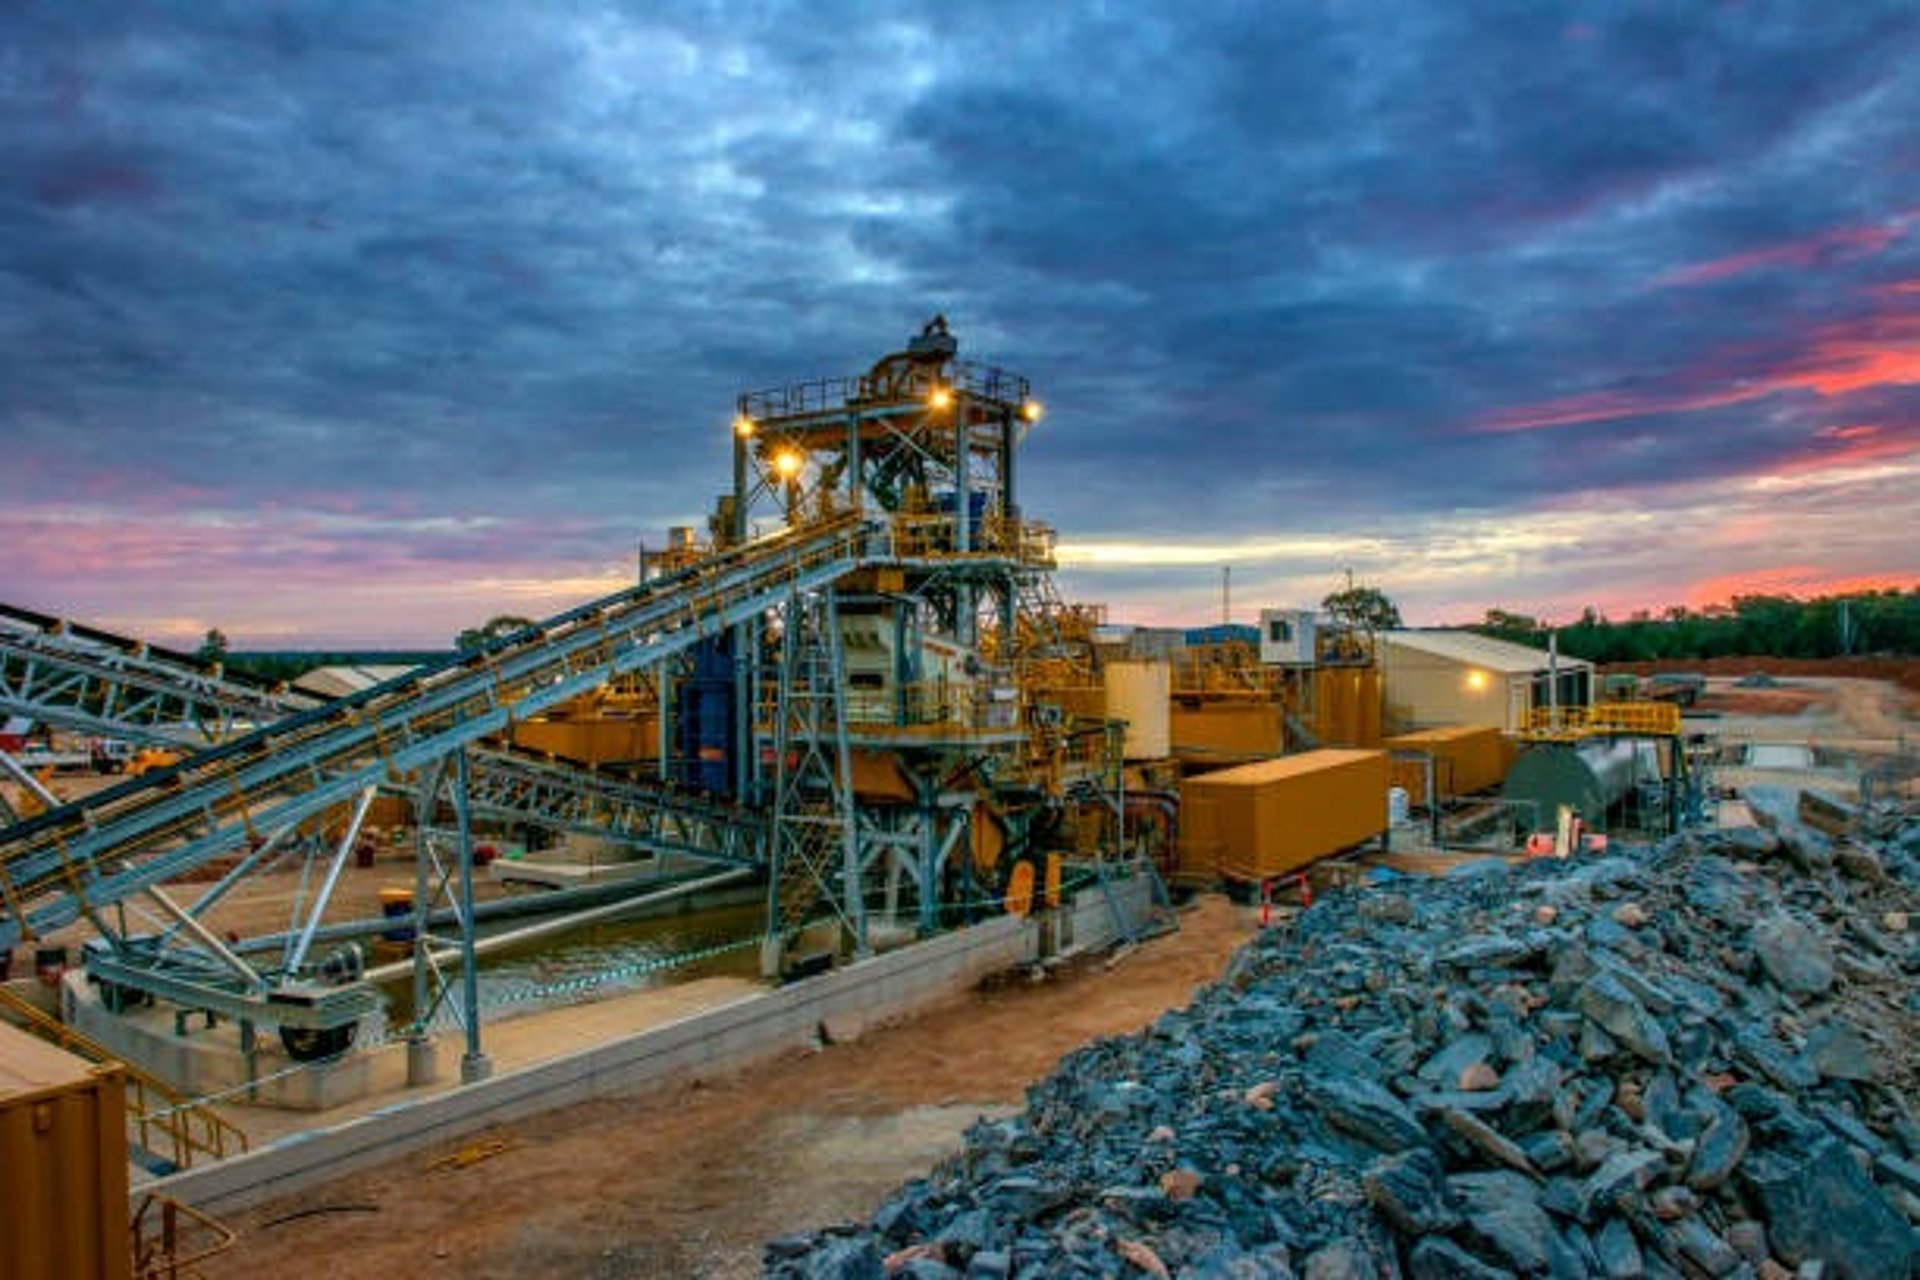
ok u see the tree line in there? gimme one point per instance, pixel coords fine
(1779, 626)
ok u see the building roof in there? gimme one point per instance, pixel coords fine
(338, 682)
(1476, 650)
(1222, 632)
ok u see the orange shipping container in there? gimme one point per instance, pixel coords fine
(63, 1164)
(1277, 816)
(1467, 759)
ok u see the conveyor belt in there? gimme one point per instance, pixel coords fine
(90, 681)
(154, 828)
(94, 682)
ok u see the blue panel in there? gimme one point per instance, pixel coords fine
(704, 719)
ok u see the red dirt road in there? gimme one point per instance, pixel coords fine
(693, 1180)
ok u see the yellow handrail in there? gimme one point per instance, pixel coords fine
(186, 1126)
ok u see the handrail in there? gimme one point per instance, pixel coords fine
(188, 1127)
(1652, 719)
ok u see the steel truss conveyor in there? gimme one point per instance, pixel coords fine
(94, 682)
(90, 681)
(69, 861)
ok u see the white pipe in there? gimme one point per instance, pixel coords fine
(486, 946)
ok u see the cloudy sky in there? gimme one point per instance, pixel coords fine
(356, 323)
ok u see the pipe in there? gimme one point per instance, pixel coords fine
(513, 937)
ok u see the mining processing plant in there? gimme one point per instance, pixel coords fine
(856, 696)
(848, 707)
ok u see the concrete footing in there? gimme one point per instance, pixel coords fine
(728, 1038)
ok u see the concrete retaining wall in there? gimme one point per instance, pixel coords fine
(719, 1040)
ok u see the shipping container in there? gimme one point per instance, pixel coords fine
(1259, 821)
(63, 1164)
(1467, 759)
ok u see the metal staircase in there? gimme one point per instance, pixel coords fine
(141, 833)
(165, 1129)
(815, 855)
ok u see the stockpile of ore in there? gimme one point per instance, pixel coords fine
(1697, 1059)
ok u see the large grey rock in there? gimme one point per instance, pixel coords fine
(1839, 1052)
(1797, 959)
(1618, 1174)
(1366, 1111)
(1718, 1150)
(1819, 1207)
(1437, 1258)
(1489, 1142)
(1503, 1213)
(1444, 1066)
(1617, 1251)
(1614, 1009)
(1410, 1191)
(1707, 1251)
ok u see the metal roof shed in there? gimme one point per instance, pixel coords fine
(1461, 678)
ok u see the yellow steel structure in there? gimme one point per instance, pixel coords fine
(1603, 719)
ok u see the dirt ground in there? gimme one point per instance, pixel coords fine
(692, 1181)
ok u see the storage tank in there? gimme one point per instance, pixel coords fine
(1590, 777)
(1139, 693)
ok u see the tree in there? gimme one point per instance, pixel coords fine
(480, 637)
(214, 647)
(1362, 608)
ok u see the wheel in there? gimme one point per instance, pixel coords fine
(315, 1044)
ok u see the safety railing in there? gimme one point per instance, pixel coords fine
(826, 395)
(1652, 719)
(170, 1239)
(961, 706)
(162, 1120)
(919, 535)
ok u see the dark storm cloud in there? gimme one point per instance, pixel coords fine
(1274, 268)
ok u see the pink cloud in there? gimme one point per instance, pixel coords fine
(1802, 580)
(1836, 360)
(1841, 244)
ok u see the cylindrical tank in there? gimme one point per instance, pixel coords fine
(1589, 777)
(1139, 693)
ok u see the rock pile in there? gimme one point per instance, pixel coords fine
(1691, 1060)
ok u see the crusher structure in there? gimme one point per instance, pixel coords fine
(849, 675)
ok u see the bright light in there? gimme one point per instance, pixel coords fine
(1031, 411)
(743, 426)
(1476, 680)
(939, 398)
(788, 464)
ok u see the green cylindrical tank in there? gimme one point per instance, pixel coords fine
(1589, 777)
